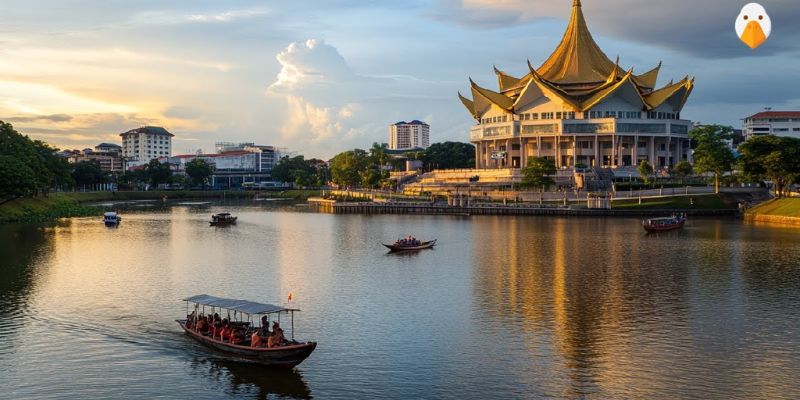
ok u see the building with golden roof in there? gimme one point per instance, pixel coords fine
(579, 107)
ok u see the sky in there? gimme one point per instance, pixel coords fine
(322, 76)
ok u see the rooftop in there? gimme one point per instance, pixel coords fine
(153, 130)
(414, 122)
(775, 114)
(108, 145)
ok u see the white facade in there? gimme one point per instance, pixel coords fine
(141, 145)
(778, 123)
(409, 135)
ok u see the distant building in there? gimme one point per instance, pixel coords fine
(108, 155)
(141, 145)
(235, 163)
(779, 123)
(409, 135)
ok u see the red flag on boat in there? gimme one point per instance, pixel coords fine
(290, 296)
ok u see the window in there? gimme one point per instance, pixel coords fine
(515, 146)
(586, 144)
(663, 147)
(534, 115)
(565, 145)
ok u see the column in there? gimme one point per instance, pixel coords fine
(669, 150)
(523, 152)
(538, 146)
(597, 161)
(613, 150)
(557, 147)
(477, 156)
(653, 151)
(635, 151)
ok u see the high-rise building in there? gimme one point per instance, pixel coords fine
(579, 108)
(141, 145)
(779, 123)
(409, 135)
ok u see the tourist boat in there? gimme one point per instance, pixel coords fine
(398, 246)
(111, 218)
(222, 219)
(664, 224)
(244, 313)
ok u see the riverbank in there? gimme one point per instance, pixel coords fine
(781, 211)
(74, 204)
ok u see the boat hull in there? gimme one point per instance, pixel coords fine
(663, 228)
(423, 246)
(282, 357)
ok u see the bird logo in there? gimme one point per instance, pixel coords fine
(753, 25)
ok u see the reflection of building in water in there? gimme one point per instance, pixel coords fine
(579, 296)
(579, 107)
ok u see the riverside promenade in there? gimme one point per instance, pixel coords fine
(337, 207)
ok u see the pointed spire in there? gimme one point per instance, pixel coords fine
(577, 59)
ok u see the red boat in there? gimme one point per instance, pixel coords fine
(286, 355)
(664, 224)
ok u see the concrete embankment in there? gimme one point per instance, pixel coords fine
(332, 206)
(778, 211)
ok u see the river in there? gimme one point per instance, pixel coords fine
(503, 307)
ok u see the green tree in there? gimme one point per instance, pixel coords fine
(772, 158)
(87, 173)
(449, 155)
(199, 171)
(37, 156)
(16, 179)
(157, 172)
(538, 172)
(347, 167)
(682, 169)
(645, 170)
(711, 151)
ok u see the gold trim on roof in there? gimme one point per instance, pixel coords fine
(506, 81)
(577, 58)
(500, 100)
(469, 105)
(682, 89)
(648, 79)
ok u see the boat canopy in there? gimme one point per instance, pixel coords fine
(245, 306)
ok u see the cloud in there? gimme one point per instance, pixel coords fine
(40, 118)
(168, 17)
(702, 29)
(312, 62)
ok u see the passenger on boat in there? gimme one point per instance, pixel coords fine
(255, 340)
(201, 324)
(277, 334)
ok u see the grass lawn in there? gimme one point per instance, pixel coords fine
(700, 202)
(781, 207)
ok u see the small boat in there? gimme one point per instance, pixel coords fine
(414, 245)
(111, 218)
(287, 354)
(664, 224)
(222, 219)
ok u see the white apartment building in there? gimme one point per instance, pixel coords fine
(409, 135)
(141, 145)
(779, 123)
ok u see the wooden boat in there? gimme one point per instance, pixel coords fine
(222, 219)
(286, 355)
(397, 246)
(111, 218)
(653, 225)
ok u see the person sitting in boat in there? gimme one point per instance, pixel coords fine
(201, 325)
(277, 334)
(255, 340)
(263, 331)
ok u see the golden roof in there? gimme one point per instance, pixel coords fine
(578, 74)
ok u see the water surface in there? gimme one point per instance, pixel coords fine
(504, 307)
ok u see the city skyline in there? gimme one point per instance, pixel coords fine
(322, 77)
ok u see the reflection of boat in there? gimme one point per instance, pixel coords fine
(399, 246)
(111, 218)
(223, 219)
(287, 354)
(267, 382)
(664, 224)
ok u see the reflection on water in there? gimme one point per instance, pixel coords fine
(503, 307)
(252, 380)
